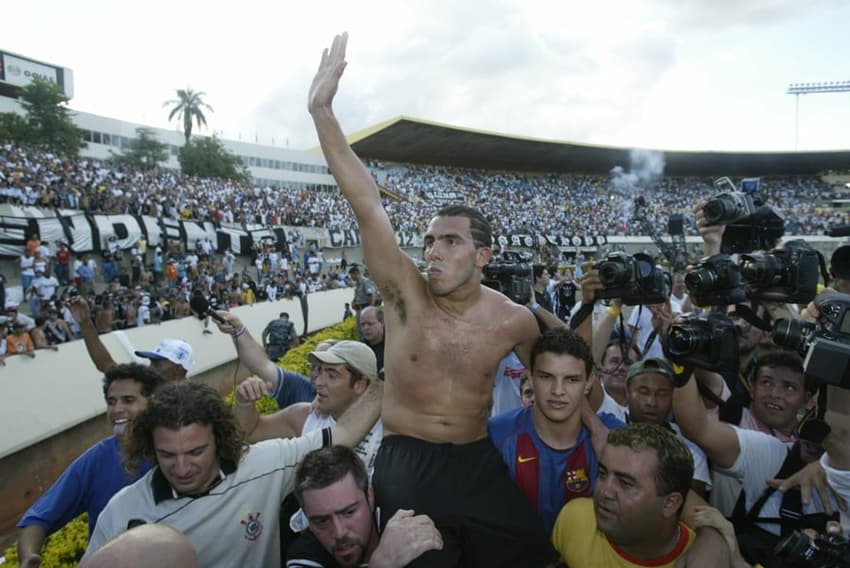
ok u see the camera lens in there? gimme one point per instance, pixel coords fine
(612, 273)
(762, 269)
(714, 211)
(701, 280)
(792, 334)
(682, 340)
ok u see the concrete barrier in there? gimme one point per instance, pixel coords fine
(57, 390)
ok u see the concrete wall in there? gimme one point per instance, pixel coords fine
(52, 408)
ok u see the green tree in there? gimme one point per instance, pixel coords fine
(207, 157)
(145, 151)
(188, 106)
(47, 120)
(13, 128)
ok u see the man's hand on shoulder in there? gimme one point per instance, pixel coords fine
(405, 538)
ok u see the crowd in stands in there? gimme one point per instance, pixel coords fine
(138, 287)
(514, 202)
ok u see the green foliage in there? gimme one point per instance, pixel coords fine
(207, 157)
(65, 547)
(13, 128)
(48, 120)
(145, 152)
(187, 106)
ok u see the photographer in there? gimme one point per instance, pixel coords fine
(752, 458)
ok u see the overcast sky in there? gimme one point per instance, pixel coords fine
(667, 74)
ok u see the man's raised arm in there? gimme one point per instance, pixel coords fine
(97, 351)
(717, 439)
(351, 175)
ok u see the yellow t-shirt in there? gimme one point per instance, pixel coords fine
(582, 546)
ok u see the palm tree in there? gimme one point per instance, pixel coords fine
(188, 105)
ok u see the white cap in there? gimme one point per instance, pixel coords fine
(174, 350)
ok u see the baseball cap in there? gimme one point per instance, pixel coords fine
(839, 264)
(174, 350)
(358, 355)
(659, 366)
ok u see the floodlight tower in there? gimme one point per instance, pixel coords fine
(798, 89)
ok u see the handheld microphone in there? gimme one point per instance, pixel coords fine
(201, 306)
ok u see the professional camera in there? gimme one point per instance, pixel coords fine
(716, 281)
(634, 279)
(759, 231)
(799, 549)
(511, 275)
(728, 207)
(788, 274)
(709, 342)
(825, 345)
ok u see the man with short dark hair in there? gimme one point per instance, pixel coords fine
(332, 487)
(446, 335)
(649, 399)
(206, 483)
(372, 332)
(279, 336)
(633, 517)
(88, 483)
(548, 450)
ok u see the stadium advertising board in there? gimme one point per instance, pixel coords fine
(20, 72)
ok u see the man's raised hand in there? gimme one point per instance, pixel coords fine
(326, 81)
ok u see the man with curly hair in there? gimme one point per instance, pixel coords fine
(208, 483)
(90, 482)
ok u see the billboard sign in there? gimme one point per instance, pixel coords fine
(20, 72)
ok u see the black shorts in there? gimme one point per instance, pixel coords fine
(467, 491)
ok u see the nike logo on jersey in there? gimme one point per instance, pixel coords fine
(521, 459)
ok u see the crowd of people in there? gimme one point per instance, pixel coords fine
(613, 462)
(128, 289)
(517, 203)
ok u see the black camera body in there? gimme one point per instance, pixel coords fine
(510, 275)
(789, 274)
(728, 207)
(799, 549)
(824, 346)
(709, 342)
(634, 279)
(716, 281)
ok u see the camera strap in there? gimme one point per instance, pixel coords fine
(749, 315)
(582, 314)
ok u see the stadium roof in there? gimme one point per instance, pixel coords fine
(405, 139)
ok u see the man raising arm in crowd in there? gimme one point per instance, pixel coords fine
(446, 334)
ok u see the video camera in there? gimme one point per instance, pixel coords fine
(634, 279)
(511, 274)
(709, 342)
(825, 345)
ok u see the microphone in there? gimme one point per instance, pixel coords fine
(838, 231)
(201, 306)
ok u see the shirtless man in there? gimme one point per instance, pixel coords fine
(446, 334)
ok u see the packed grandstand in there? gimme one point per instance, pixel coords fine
(515, 202)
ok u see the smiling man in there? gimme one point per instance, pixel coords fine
(547, 449)
(633, 517)
(207, 483)
(88, 483)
